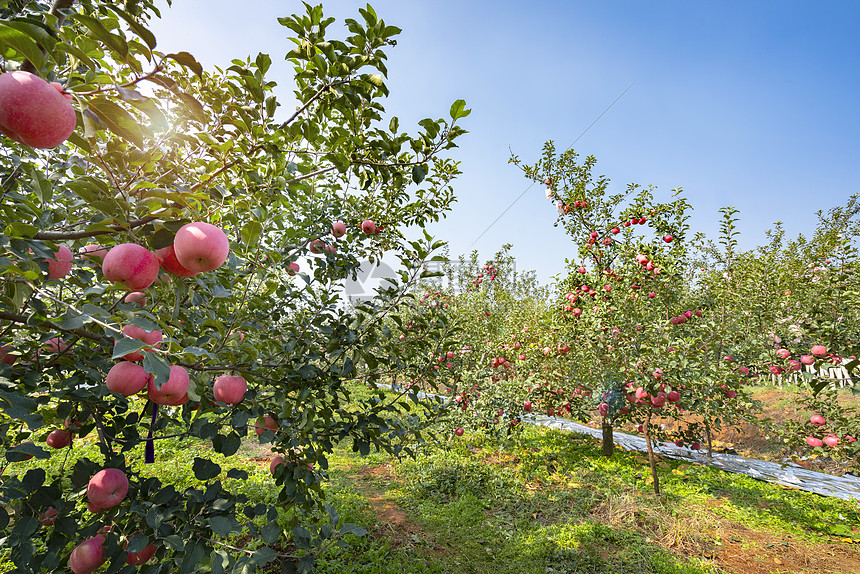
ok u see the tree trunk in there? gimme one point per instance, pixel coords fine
(651, 459)
(710, 444)
(608, 444)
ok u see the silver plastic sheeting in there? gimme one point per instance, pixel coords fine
(786, 474)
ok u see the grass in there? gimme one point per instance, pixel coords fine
(546, 502)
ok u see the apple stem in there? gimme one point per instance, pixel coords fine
(149, 457)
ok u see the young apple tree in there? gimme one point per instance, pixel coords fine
(158, 279)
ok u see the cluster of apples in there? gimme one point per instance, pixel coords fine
(832, 440)
(684, 317)
(106, 489)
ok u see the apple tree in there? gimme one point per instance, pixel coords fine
(171, 267)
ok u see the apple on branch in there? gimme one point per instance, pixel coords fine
(34, 112)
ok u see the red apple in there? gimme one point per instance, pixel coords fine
(136, 297)
(338, 229)
(174, 391)
(88, 556)
(817, 420)
(814, 442)
(151, 338)
(61, 264)
(107, 488)
(783, 353)
(201, 247)
(668, 239)
(59, 438)
(831, 440)
(368, 227)
(5, 357)
(167, 255)
(55, 345)
(807, 359)
(264, 423)
(127, 378)
(142, 557)
(131, 265)
(34, 112)
(230, 389)
(673, 396)
(316, 246)
(527, 406)
(615, 231)
(93, 252)
(459, 431)
(48, 517)
(695, 446)
(294, 268)
(276, 461)
(819, 350)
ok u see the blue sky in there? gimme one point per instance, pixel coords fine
(749, 104)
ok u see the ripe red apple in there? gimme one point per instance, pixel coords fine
(819, 350)
(807, 359)
(668, 239)
(338, 229)
(167, 255)
(34, 112)
(93, 252)
(132, 265)
(459, 431)
(142, 557)
(831, 440)
(783, 353)
(61, 264)
(731, 393)
(55, 345)
(814, 442)
(107, 488)
(276, 461)
(201, 247)
(696, 446)
(316, 246)
(230, 389)
(527, 406)
(582, 270)
(615, 231)
(264, 423)
(817, 420)
(151, 338)
(127, 378)
(136, 297)
(174, 391)
(603, 409)
(368, 227)
(88, 556)
(48, 517)
(59, 438)
(673, 396)
(679, 442)
(5, 357)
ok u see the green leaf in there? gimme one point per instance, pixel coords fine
(137, 27)
(251, 232)
(418, 173)
(187, 60)
(113, 41)
(125, 346)
(23, 44)
(221, 525)
(118, 120)
(153, 363)
(205, 469)
(458, 110)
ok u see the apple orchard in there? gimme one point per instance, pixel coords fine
(173, 253)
